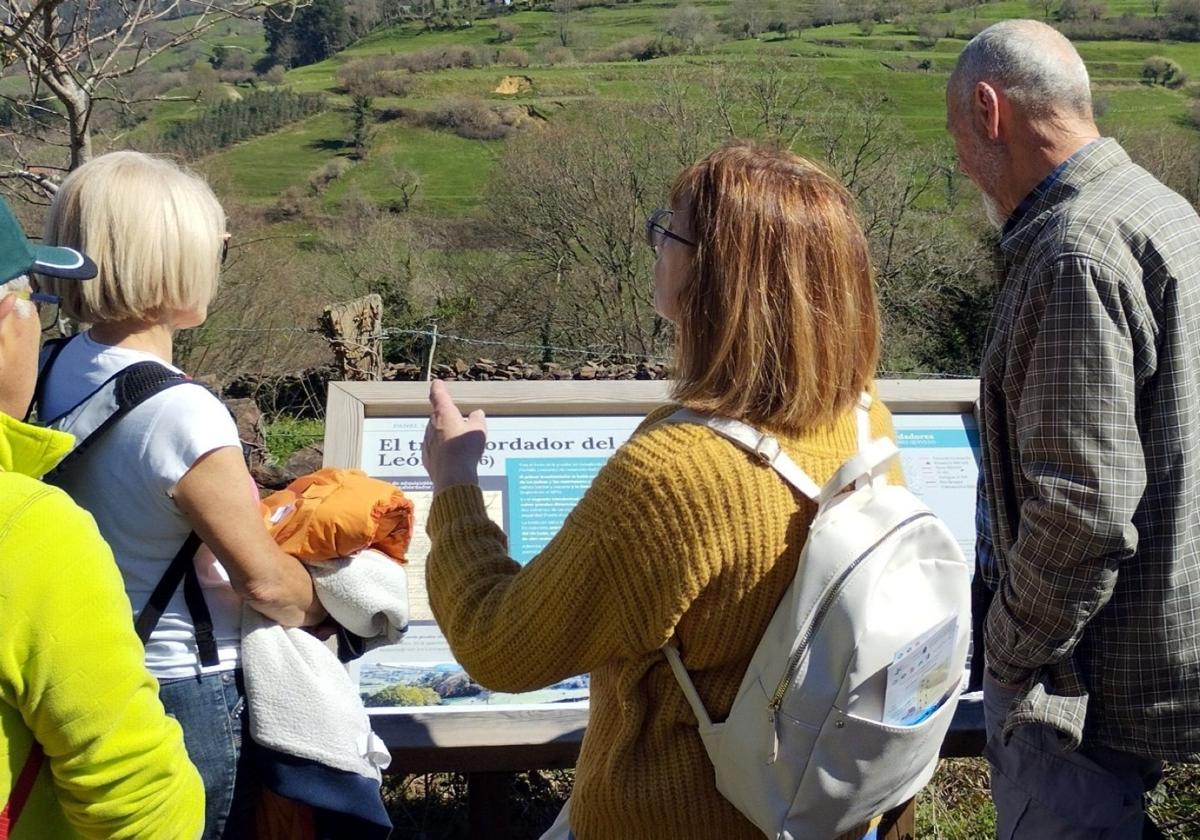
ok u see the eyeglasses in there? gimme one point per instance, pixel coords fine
(658, 230)
(47, 314)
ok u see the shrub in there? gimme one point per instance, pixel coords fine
(1158, 70)
(930, 31)
(506, 30)
(513, 55)
(444, 58)
(469, 118)
(235, 77)
(327, 174)
(291, 204)
(229, 58)
(640, 48)
(403, 695)
(691, 26)
(373, 77)
(558, 55)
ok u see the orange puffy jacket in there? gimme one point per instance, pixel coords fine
(333, 513)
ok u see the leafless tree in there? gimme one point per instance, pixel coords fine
(564, 21)
(1046, 7)
(686, 132)
(764, 99)
(690, 25)
(75, 54)
(572, 201)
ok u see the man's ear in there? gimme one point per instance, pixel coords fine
(7, 303)
(986, 108)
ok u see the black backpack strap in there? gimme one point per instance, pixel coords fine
(181, 569)
(202, 623)
(116, 397)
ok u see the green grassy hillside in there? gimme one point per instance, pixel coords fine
(892, 59)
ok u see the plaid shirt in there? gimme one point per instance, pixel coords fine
(1090, 405)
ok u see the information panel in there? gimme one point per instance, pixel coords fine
(940, 456)
(535, 469)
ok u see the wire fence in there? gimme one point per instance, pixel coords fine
(595, 351)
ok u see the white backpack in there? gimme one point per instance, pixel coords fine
(843, 708)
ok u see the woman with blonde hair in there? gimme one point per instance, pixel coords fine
(86, 749)
(172, 467)
(764, 269)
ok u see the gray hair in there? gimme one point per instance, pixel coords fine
(1031, 63)
(20, 283)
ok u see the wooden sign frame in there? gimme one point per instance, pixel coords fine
(485, 740)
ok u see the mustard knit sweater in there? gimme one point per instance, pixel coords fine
(681, 533)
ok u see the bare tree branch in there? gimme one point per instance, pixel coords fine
(73, 56)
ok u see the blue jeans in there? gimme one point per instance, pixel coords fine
(211, 710)
(1044, 793)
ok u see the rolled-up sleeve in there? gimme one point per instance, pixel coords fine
(1079, 450)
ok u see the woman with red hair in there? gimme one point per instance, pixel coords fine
(764, 270)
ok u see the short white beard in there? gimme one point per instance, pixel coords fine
(991, 209)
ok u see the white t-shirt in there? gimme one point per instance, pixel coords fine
(127, 479)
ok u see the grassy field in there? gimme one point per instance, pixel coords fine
(956, 805)
(841, 58)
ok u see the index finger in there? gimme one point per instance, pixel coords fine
(440, 398)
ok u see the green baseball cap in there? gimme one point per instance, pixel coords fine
(18, 255)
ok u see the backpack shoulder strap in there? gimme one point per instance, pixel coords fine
(181, 569)
(764, 446)
(113, 399)
(117, 396)
(768, 450)
(49, 353)
(863, 467)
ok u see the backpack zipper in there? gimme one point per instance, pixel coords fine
(826, 602)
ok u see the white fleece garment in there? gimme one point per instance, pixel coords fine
(300, 698)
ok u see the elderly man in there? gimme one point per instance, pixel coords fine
(86, 749)
(1090, 406)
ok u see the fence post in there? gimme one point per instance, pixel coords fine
(355, 333)
(433, 334)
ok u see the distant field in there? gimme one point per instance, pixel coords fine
(890, 59)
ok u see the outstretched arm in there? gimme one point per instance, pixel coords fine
(611, 584)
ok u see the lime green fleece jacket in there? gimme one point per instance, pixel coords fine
(71, 671)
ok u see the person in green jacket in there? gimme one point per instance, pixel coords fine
(86, 749)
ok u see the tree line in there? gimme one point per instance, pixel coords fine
(229, 122)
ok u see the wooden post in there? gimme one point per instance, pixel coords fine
(355, 333)
(487, 804)
(432, 350)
